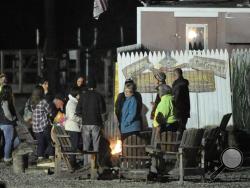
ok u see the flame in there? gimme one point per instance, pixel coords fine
(117, 147)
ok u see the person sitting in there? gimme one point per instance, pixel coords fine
(130, 118)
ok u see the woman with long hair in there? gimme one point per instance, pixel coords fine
(41, 124)
(7, 118)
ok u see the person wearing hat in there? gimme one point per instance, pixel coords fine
(91, 108)
(121, 99)
(161, 79)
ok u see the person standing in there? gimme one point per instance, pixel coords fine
(44, 83)
(7, 118)
(130, 118)
(164, 118)
(41, 124)
(80, 82)
(92, 108)
(160, 79)
(181, 99)
(73, 122)
(121, 99)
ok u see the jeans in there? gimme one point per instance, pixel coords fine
(8, 131)
(44, 143)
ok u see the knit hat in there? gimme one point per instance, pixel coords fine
(160, 76)
(164, 89)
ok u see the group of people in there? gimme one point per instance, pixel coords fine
(170, 111)
(81, 112)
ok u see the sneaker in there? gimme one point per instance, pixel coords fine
(8, 162)
(52, 158)
(40, 159)
(46, 163)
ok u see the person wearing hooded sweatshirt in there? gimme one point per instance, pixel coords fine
(181, 98)
(73, 123)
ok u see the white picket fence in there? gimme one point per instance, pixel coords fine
(207, 108)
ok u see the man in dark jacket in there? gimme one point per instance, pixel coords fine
(121, 98)
(181, 98)
(91, 107)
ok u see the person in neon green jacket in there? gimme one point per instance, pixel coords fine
(165, 111)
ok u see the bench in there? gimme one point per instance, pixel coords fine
(164, 151)
(191, 154)
(63, 150)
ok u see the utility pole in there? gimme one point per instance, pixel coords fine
(50, 45)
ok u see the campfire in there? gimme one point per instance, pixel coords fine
(116, 147)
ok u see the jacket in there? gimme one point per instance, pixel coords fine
(91, 107)
(130, 119)
(165, 111)
(7, 117)
(121, 99)
(73, 122)
(181, 97)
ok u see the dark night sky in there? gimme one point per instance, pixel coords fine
(19, 19)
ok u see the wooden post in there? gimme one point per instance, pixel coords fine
(18, 164)
(58, 159)
(20, 81)
(39, 63)
(181, 166)
(2, 61)
(203, 165)
(93, 173)
(78, 60)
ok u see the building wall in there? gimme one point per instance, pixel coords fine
(164, 28)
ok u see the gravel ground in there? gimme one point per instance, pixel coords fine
(41, 179)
